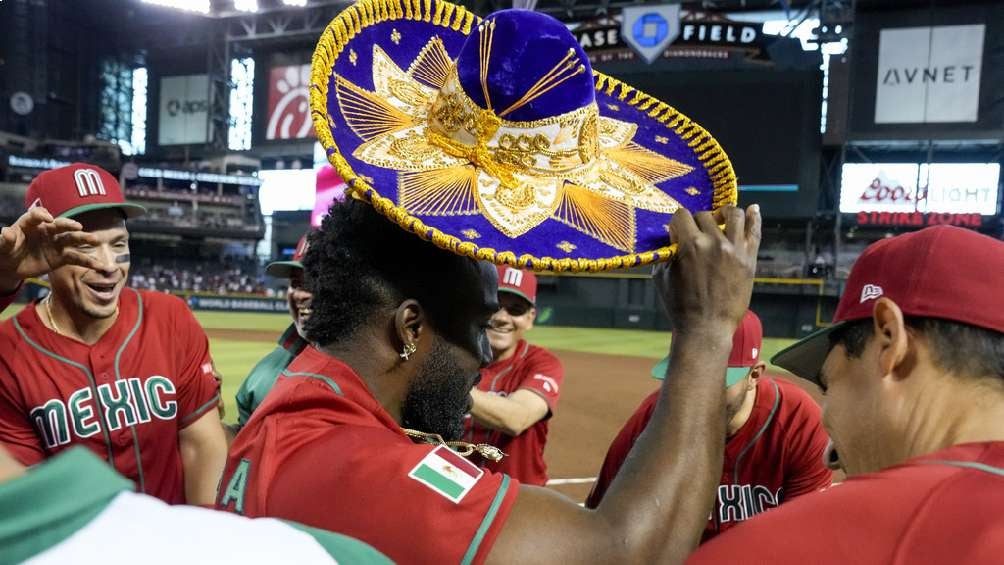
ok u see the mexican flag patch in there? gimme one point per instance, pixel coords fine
(446, 472)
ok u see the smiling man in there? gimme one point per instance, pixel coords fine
(519, 390)
(913, 374)
(125, 373)
(262, 377)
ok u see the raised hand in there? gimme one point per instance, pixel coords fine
(711, 279)
(37, 243)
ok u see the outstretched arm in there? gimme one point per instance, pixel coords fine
(657, 506)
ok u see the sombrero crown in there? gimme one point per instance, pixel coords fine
(495, 139)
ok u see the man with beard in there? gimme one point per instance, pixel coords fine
(912, 371)
(125, 373)
(518, 392)
(774, 450)
(399, 327)
(263, 376)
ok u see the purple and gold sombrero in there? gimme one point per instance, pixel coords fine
(494, 138)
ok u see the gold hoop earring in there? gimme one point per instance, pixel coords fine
(408, 350)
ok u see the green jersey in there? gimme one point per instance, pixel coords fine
(262, 377)
(75, 509)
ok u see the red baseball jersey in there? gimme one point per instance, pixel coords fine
(776, 456)
(320, 450)
(126, 397)
(943, 507)
(531, 368)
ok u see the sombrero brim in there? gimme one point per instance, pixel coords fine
(404, 29)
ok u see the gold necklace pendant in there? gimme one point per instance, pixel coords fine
(464, 448)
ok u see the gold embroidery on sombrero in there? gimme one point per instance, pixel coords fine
(647, 164)
(564, 70)
(395, 36)
(486, 32)
(471, 233)
(607, 220)
(433, 137)
(693, 191)
(443, 192)
(433, 64)
(367, 114)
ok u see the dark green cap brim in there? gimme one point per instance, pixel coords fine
(732, 374)
(805, 357)
(130, 210)
(517, 293)
(283, 269)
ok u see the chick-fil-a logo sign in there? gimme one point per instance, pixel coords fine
(288, 103)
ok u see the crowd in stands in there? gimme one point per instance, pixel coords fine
(230, 277)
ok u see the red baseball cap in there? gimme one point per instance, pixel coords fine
(927, 273)
(78, 188)
(284, 269)
(747, 343)
(519, 282)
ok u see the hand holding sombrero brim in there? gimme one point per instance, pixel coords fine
(494, 139)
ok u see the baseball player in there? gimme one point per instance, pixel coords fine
(342, 441)
(75, 509)
(124, 372)
(913, 374)
(262, 377)
(518, 392)
(775, 444)
(34, 245)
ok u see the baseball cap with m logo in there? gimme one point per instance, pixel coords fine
(78, 188)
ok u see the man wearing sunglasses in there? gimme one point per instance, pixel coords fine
(519, 390)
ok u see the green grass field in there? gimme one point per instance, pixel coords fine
(235, 358)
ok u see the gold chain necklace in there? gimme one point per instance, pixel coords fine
(48, 313)
(52, 321)
(462, 447)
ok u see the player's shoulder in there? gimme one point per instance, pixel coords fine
(154, 300)
(26, 321)
(539, 354)
(794, 401)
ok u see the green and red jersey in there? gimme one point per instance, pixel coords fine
(262, 377)
(320, 450)
(775, 457)
(126, 397)
(943, 507)
(530, 368)
(75, 509)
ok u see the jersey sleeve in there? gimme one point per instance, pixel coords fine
(424, 505)
(619, 449)
(198, 389)
(543, 375)
(16, 432)
(805, 470)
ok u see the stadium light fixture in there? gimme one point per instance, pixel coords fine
(246, 5)
(297, 3)
(200, 6)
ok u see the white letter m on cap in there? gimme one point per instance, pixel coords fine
(870, 292)
(513, 277)
(88, 183)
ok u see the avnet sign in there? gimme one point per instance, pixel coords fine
(951, 188)
(929, 74)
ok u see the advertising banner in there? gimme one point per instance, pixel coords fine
(236, 304)
(929, 74)
(944, 188)
(184, 110)
(289, 103)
